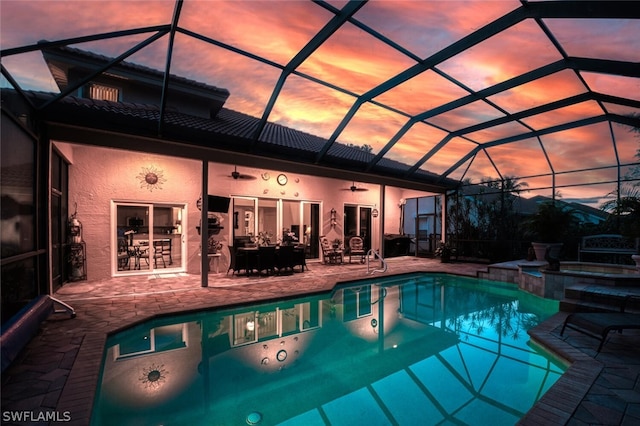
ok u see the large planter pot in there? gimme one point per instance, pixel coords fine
(541, 249)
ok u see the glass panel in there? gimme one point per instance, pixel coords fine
(310, 315)
(18, 211)
(138, 343)
(448, 155)
(223, 68)
(311, 223)
(273, 30)
(346, 59)
(415, 143)
(627, 143)
(593, 195)
(567, 151)
(291, 227)
(243, 221)
(268, 324)
(564, 115)
(480, 167)
(421, 93)
(598, 38)
(466, 115)
(625, 87)
(500, 57)
(373, 125)
(290, 320)
(167, 236)
(310, 107)
(547, 89)
(244, 330)
(587, 178)
(508, 158)
(497, 132)
(621, 109)
(268, 220)
(428, 26)
(133, 252)
(365, 230)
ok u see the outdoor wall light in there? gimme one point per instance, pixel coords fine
(333, 218)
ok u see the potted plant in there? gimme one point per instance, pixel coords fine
(549, 227)
(444, 251)
(336, 243)
(213, 245)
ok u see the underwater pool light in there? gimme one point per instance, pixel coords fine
(254, 418)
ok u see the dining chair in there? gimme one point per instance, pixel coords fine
(266, 259)
(154, 252)
(284, 260)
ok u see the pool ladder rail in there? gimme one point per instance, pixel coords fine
(374, 253)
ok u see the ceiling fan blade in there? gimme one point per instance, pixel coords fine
(245, 177)
(235, 174)
(354, 188)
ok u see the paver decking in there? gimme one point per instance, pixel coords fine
(58, 371)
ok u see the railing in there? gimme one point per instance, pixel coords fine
(375, 254)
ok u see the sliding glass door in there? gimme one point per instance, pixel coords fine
(276, 220)
(147, 238)
(357, 221)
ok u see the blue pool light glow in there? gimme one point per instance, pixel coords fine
(403, 350)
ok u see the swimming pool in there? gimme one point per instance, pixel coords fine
(415, 349)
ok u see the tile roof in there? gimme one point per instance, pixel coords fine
(233, 131)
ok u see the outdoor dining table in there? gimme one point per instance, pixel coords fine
(252, 259)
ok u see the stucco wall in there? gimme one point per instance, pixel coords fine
(98, 176)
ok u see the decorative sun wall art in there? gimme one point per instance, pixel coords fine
(153, 376)
(151, 178)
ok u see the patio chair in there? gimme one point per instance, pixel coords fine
(266, 259)
(356, 248)
(299, 257)
(123, 254)
(238, 260)
(599, 324)
(284, 260)
(155, 252)
(329, 254)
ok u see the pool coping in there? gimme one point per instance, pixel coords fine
(561, 401)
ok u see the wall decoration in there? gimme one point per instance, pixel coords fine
(265, 176)
(151, 178)
(153, 376)
(282, 179)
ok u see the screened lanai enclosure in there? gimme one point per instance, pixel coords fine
(533, 98)
(430, 91)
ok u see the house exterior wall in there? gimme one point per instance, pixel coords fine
(98, 176)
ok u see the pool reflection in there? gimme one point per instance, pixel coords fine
(446, 343)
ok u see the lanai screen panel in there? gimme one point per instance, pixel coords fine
(464, 89)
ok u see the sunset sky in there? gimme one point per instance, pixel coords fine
(354, 62)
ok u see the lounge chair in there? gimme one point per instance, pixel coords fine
(599, 324)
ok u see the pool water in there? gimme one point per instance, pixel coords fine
(415, 349)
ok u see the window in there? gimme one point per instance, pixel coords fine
(103, 93)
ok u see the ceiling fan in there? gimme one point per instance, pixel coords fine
(354, 188)
(235, 174)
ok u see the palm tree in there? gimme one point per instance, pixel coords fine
(625, 209)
